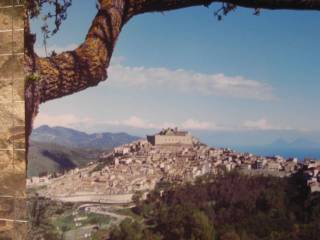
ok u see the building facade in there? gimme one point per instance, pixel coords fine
(170, 136)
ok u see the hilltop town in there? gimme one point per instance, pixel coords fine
(170, 156)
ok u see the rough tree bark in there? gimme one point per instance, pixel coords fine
(86, 66)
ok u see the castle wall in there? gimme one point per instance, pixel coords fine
(151, 139)
(167, 139)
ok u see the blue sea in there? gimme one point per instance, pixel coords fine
(301, 154)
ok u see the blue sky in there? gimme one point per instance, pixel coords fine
(185, 68)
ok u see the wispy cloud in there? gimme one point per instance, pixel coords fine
(136, 122)
(262, 124)
(65, 120)
(189, 81)
(198, 125)
(71, 120)
(115, 60)
(180, 79)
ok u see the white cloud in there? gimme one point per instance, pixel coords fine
(199, 125)
(189, 81)
(137, 122)
(73, 121)
(40, 50)
(179, 79)
(70, 120)
(262, 124)
(118, 60)
(64, 120)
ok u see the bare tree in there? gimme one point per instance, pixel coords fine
(72, 71)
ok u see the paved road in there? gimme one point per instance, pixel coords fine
(93, 198)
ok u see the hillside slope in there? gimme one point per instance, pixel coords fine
(56, 149)
(50, 157)
(74, 138)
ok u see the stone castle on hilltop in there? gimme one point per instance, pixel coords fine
(171, 136)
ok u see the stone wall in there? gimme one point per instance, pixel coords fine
(13, 210)
(172, 139)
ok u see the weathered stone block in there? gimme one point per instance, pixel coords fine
(11, 42)
(13, 183)
(10, 230)
(18, 113)
(7, 208)
(6, 39)
(5, 114)
(18, 20)
(11, 66)
(6, 90)
(6, 161)
(11, 18)
(5, 18)
(18, 89)
(21, 231)
(6, 228)
(5, 142)
(3, 61)
(17, 66)
(20, 182)
(13, 230)
(10, 3)
(6, 3)
(18, 41)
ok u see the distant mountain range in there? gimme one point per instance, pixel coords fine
(59, 148)
(77, 139)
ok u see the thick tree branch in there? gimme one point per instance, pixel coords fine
(73, 71)
(143, 6)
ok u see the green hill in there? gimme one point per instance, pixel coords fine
(50, 157)
(55, 149)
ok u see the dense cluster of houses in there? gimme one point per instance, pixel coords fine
(140, 165)
(312, 173)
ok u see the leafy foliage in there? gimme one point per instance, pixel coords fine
(132, 230)
(48, 9)
(233, 207)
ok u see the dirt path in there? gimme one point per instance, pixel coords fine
(106, 210)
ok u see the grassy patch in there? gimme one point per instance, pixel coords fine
(130, 213)
(101, 234)
(98, 219)
(64, 222)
